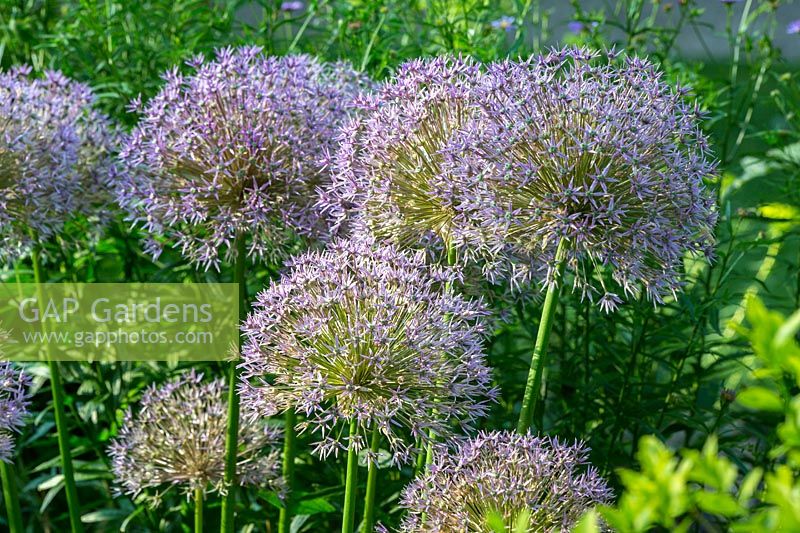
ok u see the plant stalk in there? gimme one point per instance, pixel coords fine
(539, 357)
(289, 436)
(232, 436)
(57, 389)
(13, 512)
(351, 483)
(198, 510)
(372, 480)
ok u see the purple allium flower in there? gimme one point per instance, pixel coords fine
(236, 147)
(793, 27)
(504, 23)
(14, 401)
(55, 162)
(605, 156)
(177, 438)
(292, 6)
(394, 172)
(539, 480)
(363, 332)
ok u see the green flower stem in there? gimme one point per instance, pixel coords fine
(285, 516)
(539, 357)
(372, 479)
(232, 437)
(57, 389)
(13, 513)
(351, 483)
(198, 510)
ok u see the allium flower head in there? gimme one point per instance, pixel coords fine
(235, 147)
(394, 172)
(604, 155)
(364, 332)
(177, 438)
(14, 401)
(55, 158)
(535, 480)
(793, 27)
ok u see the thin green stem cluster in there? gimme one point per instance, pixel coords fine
(62, 428)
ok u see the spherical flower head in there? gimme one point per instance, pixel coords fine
(393, 172)
(55, 158)
(604, 157)
(363, 332)
(14, 402)
(177, 439)
(539, 482)
(236, 147)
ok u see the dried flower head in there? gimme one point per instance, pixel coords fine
(177, 438)
(393, 171)
(530, 483)
(604, 156)
(14, 401)
(362, 332)
(55, 158)
(235, 147)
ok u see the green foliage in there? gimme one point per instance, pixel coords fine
(675, 491)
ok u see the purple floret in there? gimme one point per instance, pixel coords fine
(14, 401)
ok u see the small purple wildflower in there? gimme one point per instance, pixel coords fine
(607, 157)
(177, 438)
(364, 332)
(235, 148)
(577, 26)
(55, 158)
(538, 480)
(793, 27)
(14, 401)
(292, 6)
(505, 23)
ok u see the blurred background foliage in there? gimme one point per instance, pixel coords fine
(673, 373)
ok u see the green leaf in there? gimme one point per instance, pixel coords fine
(760, 399)
(587, 524)
(718, 503)
(314, 506)
(103, 515)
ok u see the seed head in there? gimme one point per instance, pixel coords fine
(177, 439)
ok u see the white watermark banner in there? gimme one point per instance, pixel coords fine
(118, 321)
